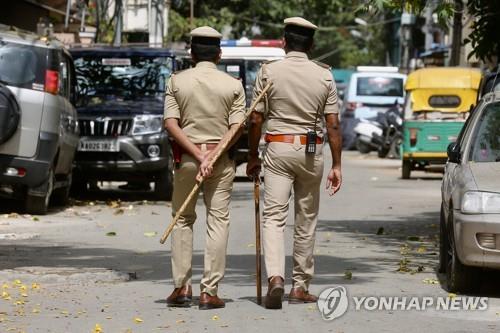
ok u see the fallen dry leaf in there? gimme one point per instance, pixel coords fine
(452, 295)
(119, 211)
(150, 233)
(180, 321)
(138, 320)
(215, 317)
(97, 329)
(430, 281)
(111, 233)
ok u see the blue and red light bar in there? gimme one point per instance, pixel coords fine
(253, 42)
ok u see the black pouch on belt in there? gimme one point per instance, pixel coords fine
(177, 152)
(311, 139)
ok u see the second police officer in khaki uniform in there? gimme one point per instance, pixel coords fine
(202, 104)
(303, 98)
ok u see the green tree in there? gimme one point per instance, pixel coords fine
(264, 18)
(486, 14)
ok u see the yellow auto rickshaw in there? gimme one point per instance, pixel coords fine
(438, 102)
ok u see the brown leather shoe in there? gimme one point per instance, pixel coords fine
(275, 292)
(298, 296)
(181, 297)
(208, 302)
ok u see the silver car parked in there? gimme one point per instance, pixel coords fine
(38, 124)
(470, 211)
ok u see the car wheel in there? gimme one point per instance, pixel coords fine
(406, 170)
(39, 204)
(362, 147)
(459, 277)
(443, 244)
(164, 185)
(79, 186)
(60, 196)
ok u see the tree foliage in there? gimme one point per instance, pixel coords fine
(264, 19)
(485, 14)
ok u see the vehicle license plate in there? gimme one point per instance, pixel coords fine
(99, 145)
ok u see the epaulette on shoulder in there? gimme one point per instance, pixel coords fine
(320, 64)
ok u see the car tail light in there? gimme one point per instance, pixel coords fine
(52, 82)
(413, 136)
(15, 172)
(351, 106)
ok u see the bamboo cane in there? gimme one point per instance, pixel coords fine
(257, 237)
(221, 148)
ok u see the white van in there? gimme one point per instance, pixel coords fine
(373, 89)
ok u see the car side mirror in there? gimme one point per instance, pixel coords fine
(454, 152)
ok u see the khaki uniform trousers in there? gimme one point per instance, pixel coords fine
(217, 195)
(287, 168)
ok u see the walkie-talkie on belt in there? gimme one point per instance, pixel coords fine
(312, 136)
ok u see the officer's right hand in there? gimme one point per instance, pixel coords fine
(253, 166)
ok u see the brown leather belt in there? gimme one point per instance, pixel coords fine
(210, 146)
(289, 138)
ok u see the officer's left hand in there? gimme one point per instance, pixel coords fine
(206, 169)
(334, 180)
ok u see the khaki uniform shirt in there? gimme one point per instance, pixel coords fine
(301, 88)
(206, 101)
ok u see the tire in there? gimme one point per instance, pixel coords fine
(60, 196)
(362, 147)
(164, 185)
(39, 205)
(78, 186)
(443, 243)
(459, 277)
(9, 114)
(406, 170)
(382, 152)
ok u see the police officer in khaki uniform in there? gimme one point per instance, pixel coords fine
(202, 104)
(301, 101)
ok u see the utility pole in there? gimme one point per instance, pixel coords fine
(66, 18)
(165, 20)
(456, 42)
(191, 14)
(118, 26)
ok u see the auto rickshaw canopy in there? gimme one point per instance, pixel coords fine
(443, 89)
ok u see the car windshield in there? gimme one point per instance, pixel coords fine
(123, 78)
(379, 86)
(22, 65)
(485, 145)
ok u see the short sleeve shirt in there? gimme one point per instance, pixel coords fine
(206, 101)
(302, 93)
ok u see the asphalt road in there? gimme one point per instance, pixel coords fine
(100, 262)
